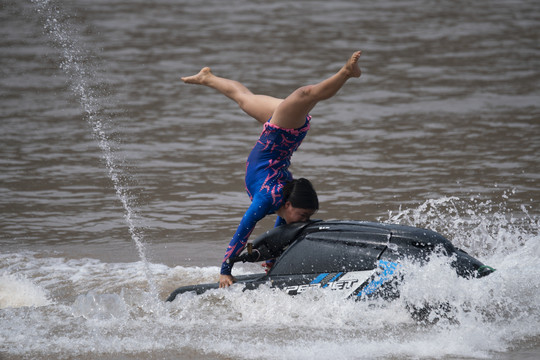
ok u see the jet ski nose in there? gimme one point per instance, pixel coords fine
(484, 270)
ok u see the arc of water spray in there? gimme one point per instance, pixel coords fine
(74, 66)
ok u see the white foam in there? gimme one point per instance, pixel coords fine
(100, 306)
(18, 291)
(107, 307)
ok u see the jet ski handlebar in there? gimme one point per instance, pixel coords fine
(272, 243)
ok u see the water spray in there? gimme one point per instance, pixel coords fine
(73, 64)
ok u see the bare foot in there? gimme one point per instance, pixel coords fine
(199, 78)
(351, 67)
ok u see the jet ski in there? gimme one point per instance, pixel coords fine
(358, 258)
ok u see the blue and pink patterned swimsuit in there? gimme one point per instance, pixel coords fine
(267, 171)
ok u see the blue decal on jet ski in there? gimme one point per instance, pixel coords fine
(326, 279)
(319, 278)
(389, 268)
(335, 278)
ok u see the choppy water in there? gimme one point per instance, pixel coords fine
(119, 183)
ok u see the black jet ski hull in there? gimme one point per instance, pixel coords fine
(359, 259)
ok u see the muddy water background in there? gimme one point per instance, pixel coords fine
(442, 131)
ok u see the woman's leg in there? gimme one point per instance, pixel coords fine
(260, 107)
(292, 112)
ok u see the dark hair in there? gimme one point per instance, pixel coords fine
(301, 194)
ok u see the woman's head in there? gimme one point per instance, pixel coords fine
(301, 194)
(300, 201)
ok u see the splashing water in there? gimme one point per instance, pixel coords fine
(73, 64)
(504, 304)
(17, 291)
(483, 227)
(483, 318)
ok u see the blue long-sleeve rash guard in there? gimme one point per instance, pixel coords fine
(267, 172)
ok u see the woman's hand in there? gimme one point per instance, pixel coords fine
(226, 281)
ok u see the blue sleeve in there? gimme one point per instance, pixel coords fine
(279, 221)
(259, 208)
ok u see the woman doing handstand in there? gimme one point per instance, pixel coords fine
(268, 181)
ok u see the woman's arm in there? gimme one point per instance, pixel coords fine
(259, 208)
